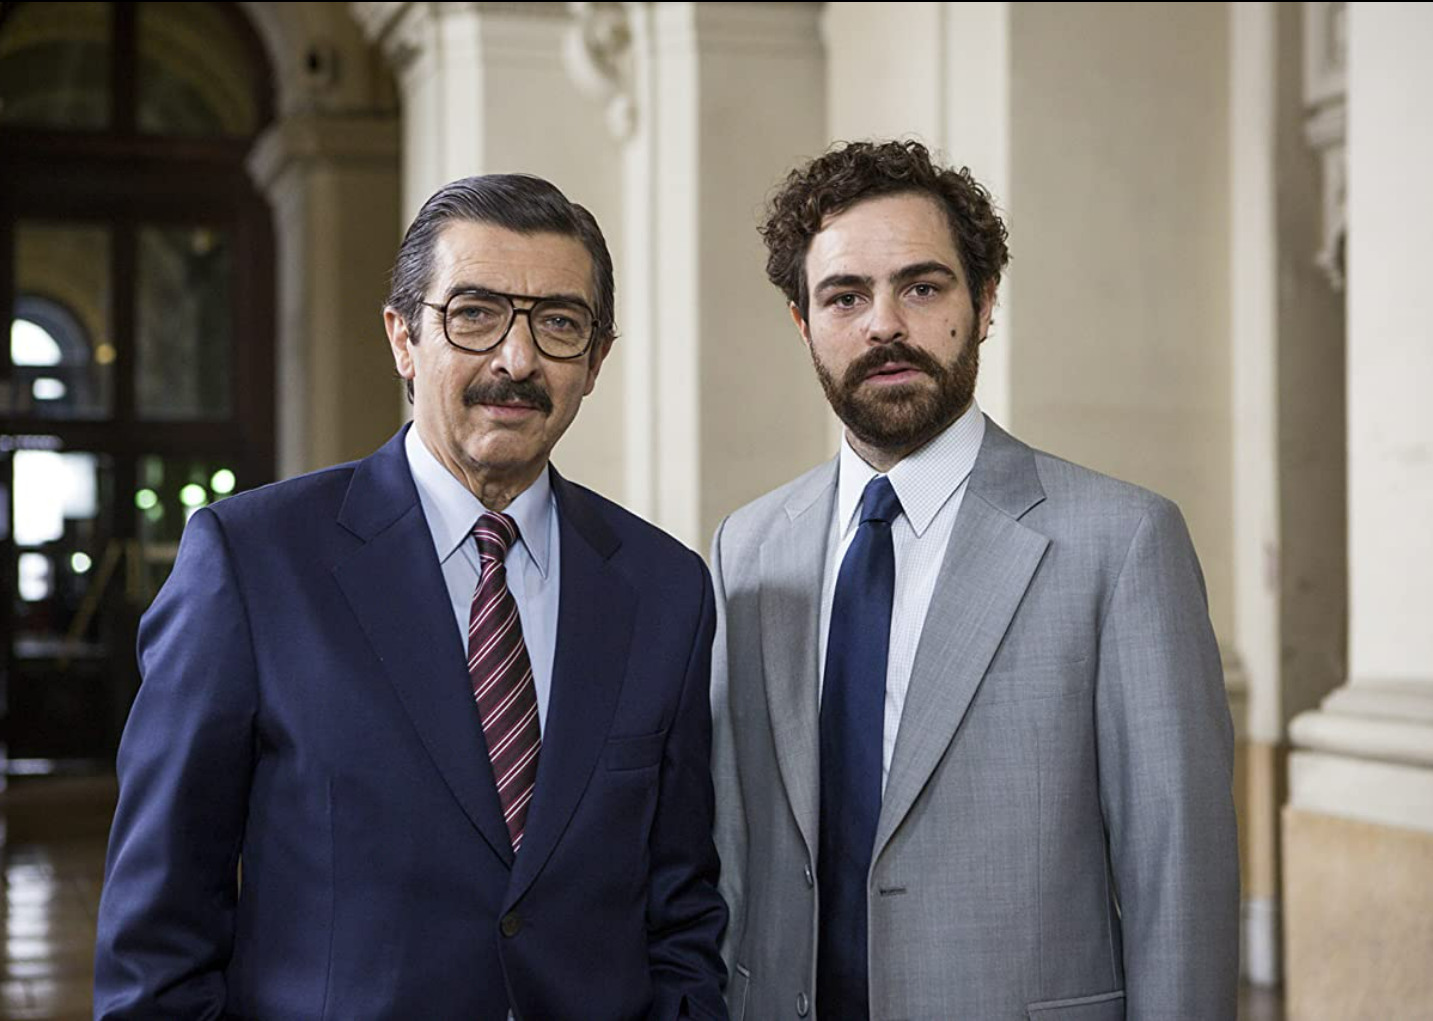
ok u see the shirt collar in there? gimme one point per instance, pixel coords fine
(924, 481)
(452, 509)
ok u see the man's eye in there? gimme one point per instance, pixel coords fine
(846, 300)
(925, 290)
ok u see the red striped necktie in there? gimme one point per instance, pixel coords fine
(502, 675)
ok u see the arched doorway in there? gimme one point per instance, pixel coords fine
(137, 381)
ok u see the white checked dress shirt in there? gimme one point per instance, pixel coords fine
(931, 485)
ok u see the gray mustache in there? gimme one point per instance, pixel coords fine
(508, 391)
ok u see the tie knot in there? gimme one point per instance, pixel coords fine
(879, 502)
(496, 534)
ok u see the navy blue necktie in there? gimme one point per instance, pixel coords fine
(853, 710)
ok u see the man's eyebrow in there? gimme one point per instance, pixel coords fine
(922, 269)
(844, 280)
(464, 287)
(903, 275)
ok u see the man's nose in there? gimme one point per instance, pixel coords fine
(517, 355)
(886, 323)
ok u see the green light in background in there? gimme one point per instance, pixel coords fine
(193, 495)
(222, 482)
(80, 563)
(146, 499)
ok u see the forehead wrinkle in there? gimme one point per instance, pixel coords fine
(508, 262)
(887, 230)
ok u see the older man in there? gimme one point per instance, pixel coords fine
(426, 735)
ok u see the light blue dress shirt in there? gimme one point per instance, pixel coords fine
(533, 563)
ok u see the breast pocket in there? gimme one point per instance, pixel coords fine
(1034, 678)
(639, 752)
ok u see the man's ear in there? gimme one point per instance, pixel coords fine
(398, 340)
(802, 327)
(987, 308)
(595, 358)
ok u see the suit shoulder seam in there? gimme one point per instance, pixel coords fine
(1119, 575)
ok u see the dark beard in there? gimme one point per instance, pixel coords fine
(905, 417)
(508, 391)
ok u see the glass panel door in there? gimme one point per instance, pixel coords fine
(62, 348)
(137, 380)
(68, 607)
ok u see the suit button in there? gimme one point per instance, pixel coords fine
(511, 924)
(810, 879)
(803, 1005)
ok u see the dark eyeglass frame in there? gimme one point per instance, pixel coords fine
(512, 299)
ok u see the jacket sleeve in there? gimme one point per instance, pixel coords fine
(685, 913)
(167, 912)
(1165, 746)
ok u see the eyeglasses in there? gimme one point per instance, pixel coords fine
(479, 321)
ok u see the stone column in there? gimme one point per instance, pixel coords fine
(1253, 290)
(333, 364)
(1286, 345)
(722, 403)
(1358, 839)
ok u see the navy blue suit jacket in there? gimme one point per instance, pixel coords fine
(306, 720)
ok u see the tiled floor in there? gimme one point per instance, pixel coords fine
(51, 895)
(52, 838)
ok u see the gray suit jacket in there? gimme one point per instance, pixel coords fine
(1057, 838)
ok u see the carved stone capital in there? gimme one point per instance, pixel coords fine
(402, 30)
(409, 33)
(598, 54)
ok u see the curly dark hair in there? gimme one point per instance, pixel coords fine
(852, 172)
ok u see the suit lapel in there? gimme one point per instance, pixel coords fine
(596, 612)
(394, 585)
(793, 563)
(988, 565)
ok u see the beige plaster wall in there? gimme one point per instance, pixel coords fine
(1120, 247)
(1358, 907)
